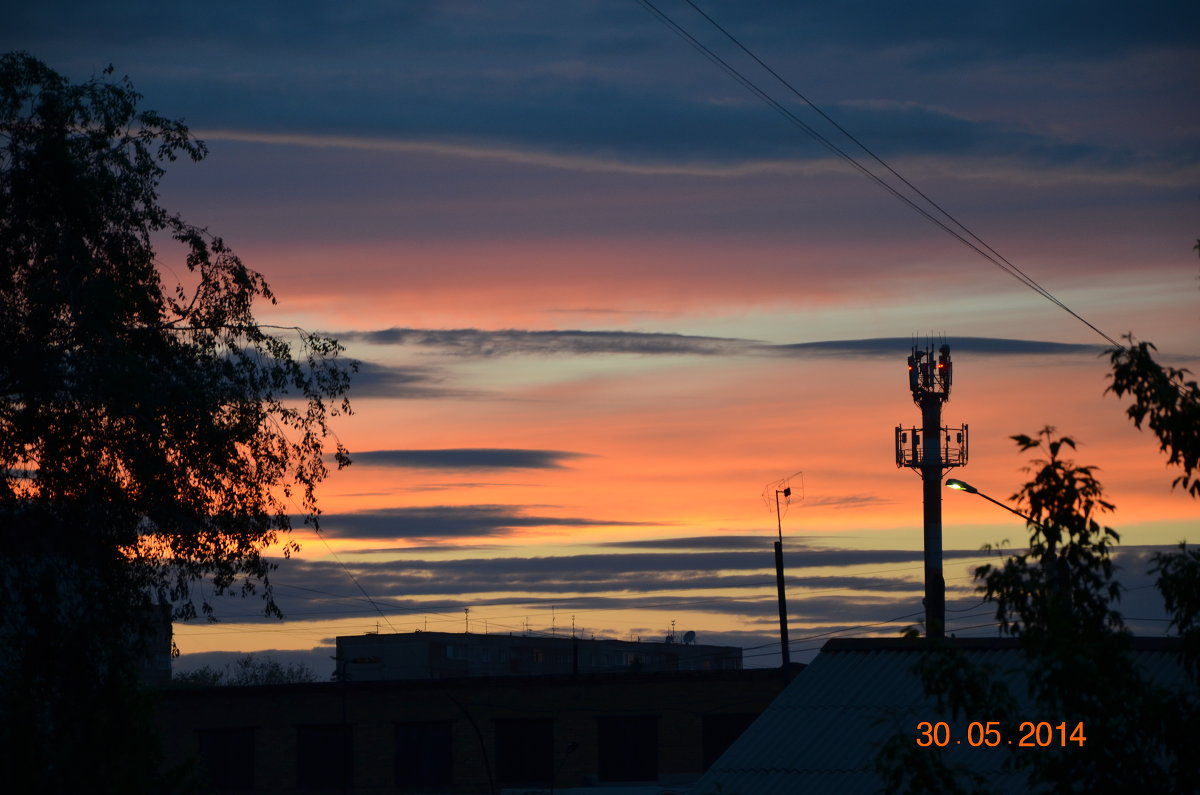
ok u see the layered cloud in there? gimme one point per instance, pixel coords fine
(450, 521)
(466, 458)
(891, 347)
(506, 342)
(747, 564)
(589, 85)
(978, 154)
(872, 588)
(482, 343)
(437, 381)
(405, 382)
(734, 582)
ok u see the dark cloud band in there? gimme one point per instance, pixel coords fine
(900, 346)
(378, 380)
(507, 342)
(469, 458)
(448, 521)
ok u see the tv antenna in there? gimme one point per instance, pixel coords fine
(778, 495)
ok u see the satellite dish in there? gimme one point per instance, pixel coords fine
(689, 638)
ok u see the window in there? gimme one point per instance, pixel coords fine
(424, 754)
(323, 756)
(227, 758)
(525, 752)
(628, 749)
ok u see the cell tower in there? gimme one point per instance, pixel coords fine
(932, 450)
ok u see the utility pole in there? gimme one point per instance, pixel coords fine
(783, 630)
(931, 452)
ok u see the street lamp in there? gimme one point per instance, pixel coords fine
(959, 485)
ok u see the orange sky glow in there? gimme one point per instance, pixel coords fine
(603, 296)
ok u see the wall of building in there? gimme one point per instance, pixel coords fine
(471, 735)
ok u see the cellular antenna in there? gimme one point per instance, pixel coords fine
(932, 450)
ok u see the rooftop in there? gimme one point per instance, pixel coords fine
(822, 733)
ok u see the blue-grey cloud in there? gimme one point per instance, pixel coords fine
(696, 543)
(448, 521)
(486, 343)
(410, 383)
(900, 346)
(881, 594)
(845, 501)
(979, 32)
(320, 590)
(625, 572)
(469, 458)
(595, 78)
(745, 542)
(506, 342)
(544, 28)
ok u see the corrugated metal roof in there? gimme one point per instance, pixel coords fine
(823, 732)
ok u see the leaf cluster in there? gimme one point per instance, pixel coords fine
(1064, 585)
(1166, 401)
(1178, 580)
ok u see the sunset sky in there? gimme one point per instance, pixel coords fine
(604, 296)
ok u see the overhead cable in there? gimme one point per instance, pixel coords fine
(951, 225)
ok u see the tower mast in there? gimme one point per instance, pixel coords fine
(931, 452)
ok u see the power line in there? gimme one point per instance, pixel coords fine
(965, 236)
(842, 632)
(860, 626)
(354, 579)
(1016, 272)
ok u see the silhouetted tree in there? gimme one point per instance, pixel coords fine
(151, 434)
(247, 670)
(1166, 401)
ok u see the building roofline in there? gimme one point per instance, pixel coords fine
(836, 645)
(503, 637)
